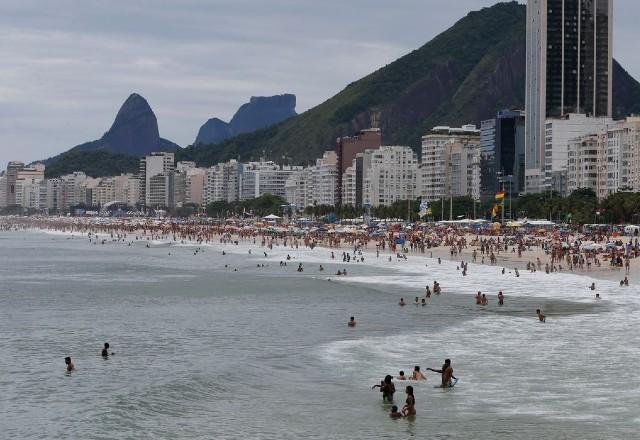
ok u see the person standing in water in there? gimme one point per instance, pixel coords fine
(500, 298)
(352, 322)
(70, 365)
(447, 373)
(541, 316)
(387, 388)
(409, 408)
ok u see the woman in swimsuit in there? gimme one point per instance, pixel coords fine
(409, 408)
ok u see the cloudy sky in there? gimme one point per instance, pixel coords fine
(67, 66)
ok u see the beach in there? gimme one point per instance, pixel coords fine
(212, 345)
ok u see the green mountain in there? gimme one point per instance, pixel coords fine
(464, 75)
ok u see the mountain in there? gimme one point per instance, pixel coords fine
(464, 75)
(259, 112)
(133, 134)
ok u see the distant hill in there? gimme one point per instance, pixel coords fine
(134, 133)
(259, 112)
(464, 75)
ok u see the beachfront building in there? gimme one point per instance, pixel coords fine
(349, 185)
(607, 161)
(502, 154)
(389, 174)
(315, 185)
(3, 190)
(222, 183)
(11, 175)
(569, 48)
(348, 147)
(157, 180)
(54, 196)
(558, 133)
(26, 187)
(450, 163)
(299, 188)
(73, 190)
(264, 177)
(189, 183)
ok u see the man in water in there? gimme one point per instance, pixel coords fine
(402, 302)
(352, 322)
(541, 316)
(70, 365)
(447, 373)
(387, 388)
(105, 350)
(417, 374)
(500, 298)
(402, 376)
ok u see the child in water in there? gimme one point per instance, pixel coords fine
(395, 414)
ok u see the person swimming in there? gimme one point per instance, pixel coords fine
(409, 408)
(105, 350)
(70, 365)
(416, 301)
(387, 388)
(402, 376)
(417, 374)
(541, 316)
(424, 302)
(352, 322)
(500, 298)
(395, 414)
(478, 298)
(402, 303)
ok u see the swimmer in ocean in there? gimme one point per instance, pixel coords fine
(424, 302)
(402, 376)
(593, 286)
(541, 316)
(395, 414)
(417, 374)
(70, 365)
(105, 350)
(416, 301)
(500, 298)
(352, 322)
(478, 298)
(402, 303)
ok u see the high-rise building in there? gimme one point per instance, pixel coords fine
(3, 190)
(568, 70)
(12, 174)
(390, 174)
(348, 147)
(260, 178)
(222, 183)
(502, 153)
(156, 180)
(450, 163)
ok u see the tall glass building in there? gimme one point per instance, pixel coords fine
(569, 70)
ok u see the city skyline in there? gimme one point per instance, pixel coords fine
(65, 76)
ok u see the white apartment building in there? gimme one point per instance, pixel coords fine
(260, 178)
(349, 185)
(223, 182)
(607, 161)
(156, 179)
(389, 175)
(74, 190)
(558, 133)
(3, 190)
(127, 189)
(54, 195)
(316, 185)
(299, 189)
(450, 163)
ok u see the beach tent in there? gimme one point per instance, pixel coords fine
(271, 217)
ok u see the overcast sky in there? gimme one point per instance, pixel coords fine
(67, 66)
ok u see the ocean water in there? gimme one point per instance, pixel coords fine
(203, 351)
